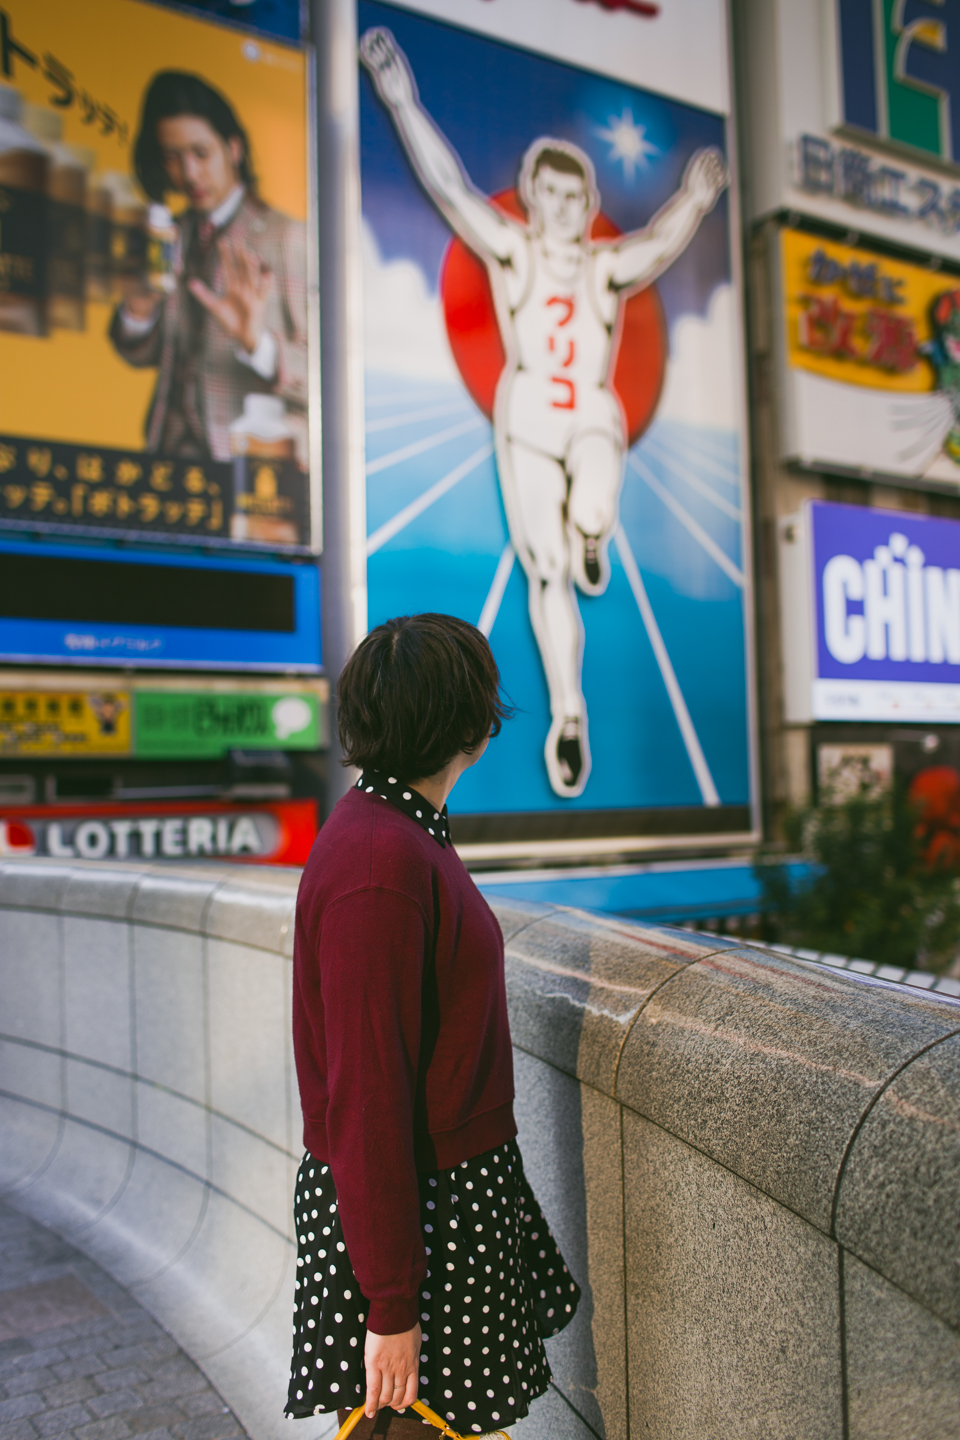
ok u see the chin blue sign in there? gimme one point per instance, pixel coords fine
(885, 614)
(96, 605)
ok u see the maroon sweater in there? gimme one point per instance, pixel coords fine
(400, 1033)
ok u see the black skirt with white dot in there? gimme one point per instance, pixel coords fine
(496, 1285)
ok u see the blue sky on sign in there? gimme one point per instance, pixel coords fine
(491, 100)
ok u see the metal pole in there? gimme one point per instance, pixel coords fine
(344, 565)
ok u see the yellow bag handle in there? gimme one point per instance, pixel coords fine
(354, 1417)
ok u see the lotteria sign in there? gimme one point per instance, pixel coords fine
(277, 834)
(878, 632)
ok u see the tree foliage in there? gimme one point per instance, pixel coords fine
(874, 890)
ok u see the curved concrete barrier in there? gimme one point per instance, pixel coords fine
(751, 1163)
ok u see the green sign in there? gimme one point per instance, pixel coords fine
(201, 724)
(900, 79)
(915, 108)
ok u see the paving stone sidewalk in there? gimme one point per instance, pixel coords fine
(80, 1358)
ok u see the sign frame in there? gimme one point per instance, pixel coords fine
(105, 710)
(607, 832)
(235, 485)
(902, 611)
(122, 644)
(166, 830)
(792, 84)
(795, 448)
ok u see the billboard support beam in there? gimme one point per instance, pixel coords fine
(334, 32)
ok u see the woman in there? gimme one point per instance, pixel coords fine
(425, 1268)
(236, 322)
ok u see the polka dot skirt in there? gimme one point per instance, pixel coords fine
(496, 1285)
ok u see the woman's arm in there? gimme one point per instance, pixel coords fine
(371, 955)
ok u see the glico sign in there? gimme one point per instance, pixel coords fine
(871, 615)
(900, 71)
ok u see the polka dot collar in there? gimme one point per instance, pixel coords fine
(410, 801)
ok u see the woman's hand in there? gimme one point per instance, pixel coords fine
(392, 1363)
(241, 309)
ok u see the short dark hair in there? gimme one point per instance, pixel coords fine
(417, 691)
(176, 92)
(562, 161)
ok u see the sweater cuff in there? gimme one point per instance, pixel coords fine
(393, 1317)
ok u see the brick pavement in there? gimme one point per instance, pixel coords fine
(81, 1360)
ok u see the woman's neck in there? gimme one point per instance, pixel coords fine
(436, 788)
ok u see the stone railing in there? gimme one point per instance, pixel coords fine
(751, 1163)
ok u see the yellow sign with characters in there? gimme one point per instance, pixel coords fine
(863, 318)
(123, 264)
(81, 77)
(45, 722)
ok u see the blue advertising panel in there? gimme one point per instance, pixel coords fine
(553, 410)
(886, 589)
(284, 18)
(900, 73)
(94, 605)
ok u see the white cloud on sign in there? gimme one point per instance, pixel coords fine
(702, 385)
(404, 334)
(403, 327)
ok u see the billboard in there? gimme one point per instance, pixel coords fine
(95, 605)
(277, 834)
(872, 351)
(860, 128)
(172, 724)
(900, 73)
(554, 435)
(157, 314)
(871, 615)
(154, 724)
(64, 722)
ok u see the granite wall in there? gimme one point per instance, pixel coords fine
(752, 1163)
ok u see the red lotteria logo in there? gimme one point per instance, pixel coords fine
(16, 838)
(279, 833)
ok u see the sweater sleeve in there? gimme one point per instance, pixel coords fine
(371, 956)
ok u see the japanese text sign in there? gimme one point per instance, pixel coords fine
(873, 361)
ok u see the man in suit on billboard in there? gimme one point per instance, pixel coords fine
(559, 428)
(235, 322)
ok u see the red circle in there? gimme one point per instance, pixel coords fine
(640, 345)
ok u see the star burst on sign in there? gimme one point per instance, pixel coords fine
(628, 142)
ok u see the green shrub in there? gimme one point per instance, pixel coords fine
(871, 892)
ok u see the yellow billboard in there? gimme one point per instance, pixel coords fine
(873, 360)
(153, 274)
(67, 722)
(859, 317)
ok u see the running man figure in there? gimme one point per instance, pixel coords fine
(559, 429)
